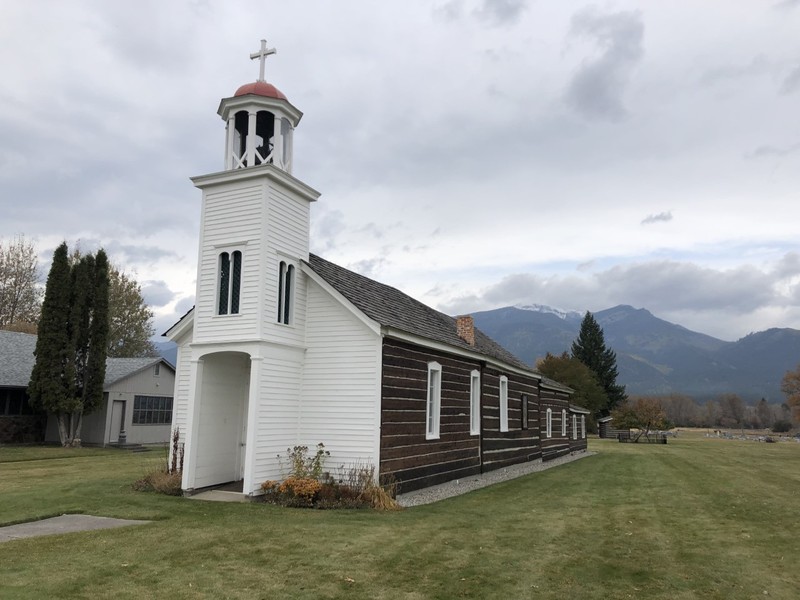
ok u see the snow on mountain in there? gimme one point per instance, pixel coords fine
(541, 308)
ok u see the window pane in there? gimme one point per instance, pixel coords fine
(236, 282)
(224, 282)
(281, 276)
(287, 302)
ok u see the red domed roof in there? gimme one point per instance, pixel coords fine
(260, 88)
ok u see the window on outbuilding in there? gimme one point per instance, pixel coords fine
(563, 422)
(574, 427)
(434, 404)
(152, 410)
(475, 403)
(229, 282)
(503, 403)
(549, 423)
(285, 292)
(583, 427)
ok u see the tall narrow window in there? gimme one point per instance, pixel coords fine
(503, 403)
(574, 427)
(549, 424)
(524, 401)
(434, 401)
(475, 403)
(224, 282)
(230, 276)
(285, 292)
(583, 427)
(563, 423)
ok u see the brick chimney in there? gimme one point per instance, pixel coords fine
(465, 328)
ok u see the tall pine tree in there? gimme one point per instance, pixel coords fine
(68, 374)
(590, 349)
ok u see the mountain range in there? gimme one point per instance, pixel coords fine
(654, 356)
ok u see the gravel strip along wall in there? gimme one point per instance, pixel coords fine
(462, 486)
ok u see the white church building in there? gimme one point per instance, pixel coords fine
(284, 348)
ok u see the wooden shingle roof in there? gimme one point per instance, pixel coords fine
(392, 308)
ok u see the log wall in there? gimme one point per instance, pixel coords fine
(413, 461)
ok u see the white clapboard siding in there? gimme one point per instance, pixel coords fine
(287, 234)
(180, 403)
(341, 383)
(277, 414)
(232, 220)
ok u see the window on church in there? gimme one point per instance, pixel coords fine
(503, 403)
(434, 404)
(230, 276)
(549, 423)
(475, 403)
(563, 422)
(574, 427)
(583, 427)
(524, 401)
(285, 292)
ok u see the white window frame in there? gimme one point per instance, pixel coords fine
(523, 401)
(230, 251)
(503, 403)
(563, 423)
(583, 427)
(475, 402)
(549, 423)
(434, 404)
(574, 427)
(286, 293)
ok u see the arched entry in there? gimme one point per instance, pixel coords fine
(222, 418)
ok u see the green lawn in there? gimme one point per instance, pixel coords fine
(698, 518)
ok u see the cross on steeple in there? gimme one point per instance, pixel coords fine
(262, 56)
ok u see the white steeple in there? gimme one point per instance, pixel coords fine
(260, 122)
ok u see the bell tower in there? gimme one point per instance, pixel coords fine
(260, 122)
(254, 223)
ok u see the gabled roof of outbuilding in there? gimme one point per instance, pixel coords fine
(17, 360)
(120, 368)
(392, 308)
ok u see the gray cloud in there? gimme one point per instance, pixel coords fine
(757, 66)
(157, 293)
(327, 229)
(769, 151)
(597, 88)
(500, 12)
(792, 82)
(661, 286)
(659, 218)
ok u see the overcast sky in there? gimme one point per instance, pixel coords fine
(473, 153)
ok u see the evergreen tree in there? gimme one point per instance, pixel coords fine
(68, 374)
(590, 349)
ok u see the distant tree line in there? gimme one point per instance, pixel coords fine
(726, 411)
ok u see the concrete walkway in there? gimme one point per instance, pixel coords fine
(62, 524)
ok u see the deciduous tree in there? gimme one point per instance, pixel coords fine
(573, 373)
(20, 296)
(131, 320)
(644, 414)
(68, 374)
(790, 385)
(590, 349)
